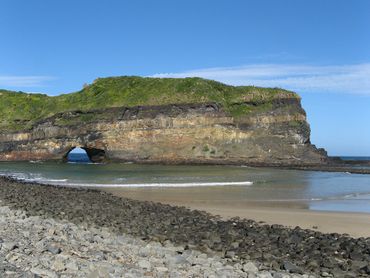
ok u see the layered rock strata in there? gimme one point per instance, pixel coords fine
(178, 133)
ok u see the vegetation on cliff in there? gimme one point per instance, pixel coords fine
(20, 110)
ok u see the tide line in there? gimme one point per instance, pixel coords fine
(193, 184)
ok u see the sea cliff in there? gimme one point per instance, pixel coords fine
(152, 120)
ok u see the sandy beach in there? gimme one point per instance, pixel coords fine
(286, 213)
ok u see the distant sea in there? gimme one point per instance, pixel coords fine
(319, 190)
(356, 158)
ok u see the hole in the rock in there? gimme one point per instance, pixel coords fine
(78, 155)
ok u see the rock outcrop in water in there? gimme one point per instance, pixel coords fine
(151, 120)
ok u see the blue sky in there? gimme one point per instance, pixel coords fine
(320, 49)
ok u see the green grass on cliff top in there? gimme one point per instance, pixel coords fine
(20, 110)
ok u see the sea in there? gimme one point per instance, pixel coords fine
(325, 191)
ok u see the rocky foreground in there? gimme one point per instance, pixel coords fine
(34, 247)
(51, 231)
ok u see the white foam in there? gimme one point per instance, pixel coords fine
(36, 177)
(56, 180)
(316, 199)
(33, 177)
(192, 184)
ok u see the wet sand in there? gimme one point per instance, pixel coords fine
(285, 213)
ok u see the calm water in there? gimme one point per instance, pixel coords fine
(355, 158)
(319, 190)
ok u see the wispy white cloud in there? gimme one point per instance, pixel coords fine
(351, 79)
(23, 81)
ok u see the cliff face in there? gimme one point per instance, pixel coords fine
(267, 131)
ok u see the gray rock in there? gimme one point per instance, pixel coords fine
(8, 246)
(178, 259)
(72, 266)
(281, 275)
(58, 265)
(98, 272)
(144, 252)
(292, 268)
(250, 267)
(145, 264)
(53, 249)
(161, 269)
(264, 274)
(44, 272)
(230, 254)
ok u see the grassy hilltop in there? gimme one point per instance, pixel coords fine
(20, 110)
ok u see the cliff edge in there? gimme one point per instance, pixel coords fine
(160, 120)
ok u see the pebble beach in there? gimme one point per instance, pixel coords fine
(50, 231)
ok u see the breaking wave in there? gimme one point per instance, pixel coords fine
(189, 184)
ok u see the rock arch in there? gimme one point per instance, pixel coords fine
(94, 154)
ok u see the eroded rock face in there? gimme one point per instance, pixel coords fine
(188, 133)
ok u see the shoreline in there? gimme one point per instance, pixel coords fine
(274, 248)
(289, 214)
